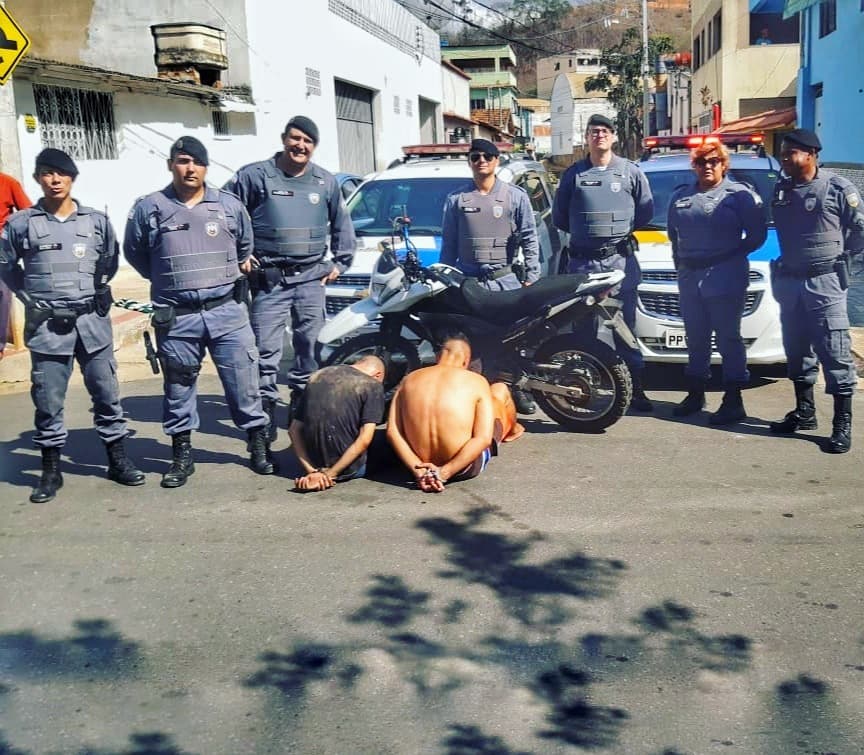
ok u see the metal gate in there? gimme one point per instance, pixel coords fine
(355, 128)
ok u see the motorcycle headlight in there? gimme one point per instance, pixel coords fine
(387, 278)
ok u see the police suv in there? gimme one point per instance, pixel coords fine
(659, 326)
(416, 188)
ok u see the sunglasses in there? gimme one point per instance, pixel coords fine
(474, 157)
(701, 162)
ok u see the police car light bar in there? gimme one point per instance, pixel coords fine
(691, 141)
(425, 150)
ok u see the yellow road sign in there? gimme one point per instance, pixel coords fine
(13, 44)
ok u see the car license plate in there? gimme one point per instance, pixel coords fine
(676, 339)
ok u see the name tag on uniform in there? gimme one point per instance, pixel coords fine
(177, 227)
(50, 247)
(590, 183)
(282, 193)
(686, 203)
(470, 209)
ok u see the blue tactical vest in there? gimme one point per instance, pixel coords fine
(291, 220)
(808, 221)
(602, 207)
(485, 226)
(707, 223)
(193, 248)
(62, 261)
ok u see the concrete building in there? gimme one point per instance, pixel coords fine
(745, 60)
(577, 65)
(456, 103)
(537, 126)
(570, 109)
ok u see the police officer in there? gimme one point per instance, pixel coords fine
(820, 223)
(713, 225)
(58, 258)
(193, 242)
(296, 206)
(485, 224)
(601, 199)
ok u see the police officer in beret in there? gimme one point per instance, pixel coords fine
(193, 243)
(485, 223)
(713, 224)
(820, 224)
(601, 199)
(298, 214)
(58, 258)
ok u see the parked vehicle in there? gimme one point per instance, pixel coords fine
(348, 183)
(554, 338)
(416, 187)
(659, 327)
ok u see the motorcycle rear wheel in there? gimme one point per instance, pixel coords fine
(399, 355)
(597, 370)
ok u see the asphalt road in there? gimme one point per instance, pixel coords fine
(664, 587)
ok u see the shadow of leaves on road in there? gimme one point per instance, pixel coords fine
(464, 739)
(144, 743)
(7, 748)
(390, 603)
(96, 649)
(528, 592)
(804, 713)
(290, 673)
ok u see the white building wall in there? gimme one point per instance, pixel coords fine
(570, 116)
(456, 94)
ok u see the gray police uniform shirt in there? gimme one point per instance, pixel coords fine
(288, 214)
(487, 229)
(190, 255)
(723, 224)
(818, 220)
(599, 205)
(53, 261)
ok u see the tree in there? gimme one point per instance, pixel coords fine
(621, 79)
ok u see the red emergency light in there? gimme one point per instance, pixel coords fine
(691, 141)
(423, 150)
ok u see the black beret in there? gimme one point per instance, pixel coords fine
(484, 145)
(304, 124)
(57, 159)
(601, 120)
(803, 137)
(189, 145)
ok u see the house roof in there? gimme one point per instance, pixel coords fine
(449, 66)
(533, 103)
(768, 120)
(449, 115)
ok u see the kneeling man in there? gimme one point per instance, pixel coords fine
(446, 422)
(335, 422)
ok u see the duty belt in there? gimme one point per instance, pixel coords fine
(811, 271)
(287, 268)
(701, 263)
(77, 307)
(204, 306)
(622, 247)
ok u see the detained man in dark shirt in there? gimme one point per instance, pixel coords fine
(335, 422)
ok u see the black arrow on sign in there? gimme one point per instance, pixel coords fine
(7, 44)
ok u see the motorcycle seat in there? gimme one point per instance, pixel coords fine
(505, 307)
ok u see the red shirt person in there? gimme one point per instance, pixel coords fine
(12, 197)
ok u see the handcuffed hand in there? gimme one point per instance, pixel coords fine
(317, 480)
(429, 478)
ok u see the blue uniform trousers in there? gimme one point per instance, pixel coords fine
(815, 323)
(301, 304)
(504, 283)
(718, 313)
(627, 294)
(49, 379)
(234, 353)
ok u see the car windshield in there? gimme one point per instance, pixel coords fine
(375, 204)
(664, 183)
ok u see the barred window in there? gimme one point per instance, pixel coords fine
(221, 123)
(78, 121)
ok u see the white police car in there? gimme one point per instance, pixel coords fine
(416, 188)
(659, 326)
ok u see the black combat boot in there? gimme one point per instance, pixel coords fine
(293, 405)
(259, 448)
(640, 402)
(694, 401)
(51, 480)
(841, 437)
(120, 469)
(731, 409)
(182, 466)
(803, 416)
(269, 406)
(524, 401)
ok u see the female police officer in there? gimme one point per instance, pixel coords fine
(713, 225)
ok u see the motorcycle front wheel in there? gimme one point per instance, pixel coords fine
(399, 355)
(596, 370)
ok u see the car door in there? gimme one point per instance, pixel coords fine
(541, 204)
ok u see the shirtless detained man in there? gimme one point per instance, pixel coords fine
(445, 422)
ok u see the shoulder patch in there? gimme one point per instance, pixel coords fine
(853, 199)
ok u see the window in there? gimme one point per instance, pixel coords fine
(78, 121)
(827, 17)
(478, 104)
(221, 124)
(717, 38)
(396, 104)
(534, 188)
(409, 108)
(697, 53)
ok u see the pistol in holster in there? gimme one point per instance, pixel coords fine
(241, 290)
(33, 319)
(102, 300)
(842, 266)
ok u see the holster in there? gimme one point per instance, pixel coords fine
(102, 300)
(842, 265)
(241, 290)
(64, 318)
(33, 318)
(266, 278)
(163, 318)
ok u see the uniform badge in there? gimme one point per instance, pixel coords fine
(212, 229)
(810, 204)
(497, 211)
(709, 207)
(79, 250)
(615, 186)
(314, 197)
(852, 199)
